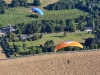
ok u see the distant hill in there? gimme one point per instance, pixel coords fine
(78, 63)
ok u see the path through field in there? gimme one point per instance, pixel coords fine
(78, 63)
(2, 55)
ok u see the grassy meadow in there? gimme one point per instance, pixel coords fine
(21, 14)
(58, 38)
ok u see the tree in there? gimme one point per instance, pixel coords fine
(17, 48)
(88, 41)
(58, 28)
(15, 3)
(34, 27)
(49, 43)
(50, 49)
(73, 28)
(11, 36)
(49, 28)
(80, 26)
(23, 3)
(3, 7)
(65, 34)
(38, 50)
(1, 26)
(24, 46)
(49, 46)
(33, 50)
(36, 3)
(41, 36)
(35, 37)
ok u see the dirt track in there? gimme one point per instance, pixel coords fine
(79, 63)
(2, 55)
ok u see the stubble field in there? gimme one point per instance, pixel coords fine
(78, 63)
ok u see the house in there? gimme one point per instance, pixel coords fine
(10, 28)
(1, 34)
(5, 30)
(24, 37)
(77, 31)
(89, 29)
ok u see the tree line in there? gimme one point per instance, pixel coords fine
(23, 49)
(93, 43)
(24, 3)
(50, 26)
(3, 7)
(15, 3)
(91, 6)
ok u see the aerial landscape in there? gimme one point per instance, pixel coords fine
(50, 37)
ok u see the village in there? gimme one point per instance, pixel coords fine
(9, 28)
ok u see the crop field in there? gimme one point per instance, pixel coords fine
(77, 63)
(58, 38)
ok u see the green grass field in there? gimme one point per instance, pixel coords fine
(21, 14)
(58, 38)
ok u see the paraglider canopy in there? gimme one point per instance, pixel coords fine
(67, 44)
(37, 10)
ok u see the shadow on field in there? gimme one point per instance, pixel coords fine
(84, 38)
(32, 16)
(30, 4)
(58, 36)
(47, 7)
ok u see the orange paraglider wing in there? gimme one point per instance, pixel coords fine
(68, 43)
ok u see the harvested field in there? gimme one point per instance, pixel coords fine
(2, 55)
(78, 63)
(44, 2)
(8, 1)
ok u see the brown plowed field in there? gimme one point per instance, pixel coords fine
(78, 63)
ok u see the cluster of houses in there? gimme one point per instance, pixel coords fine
(9, 28)
(87, 29)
